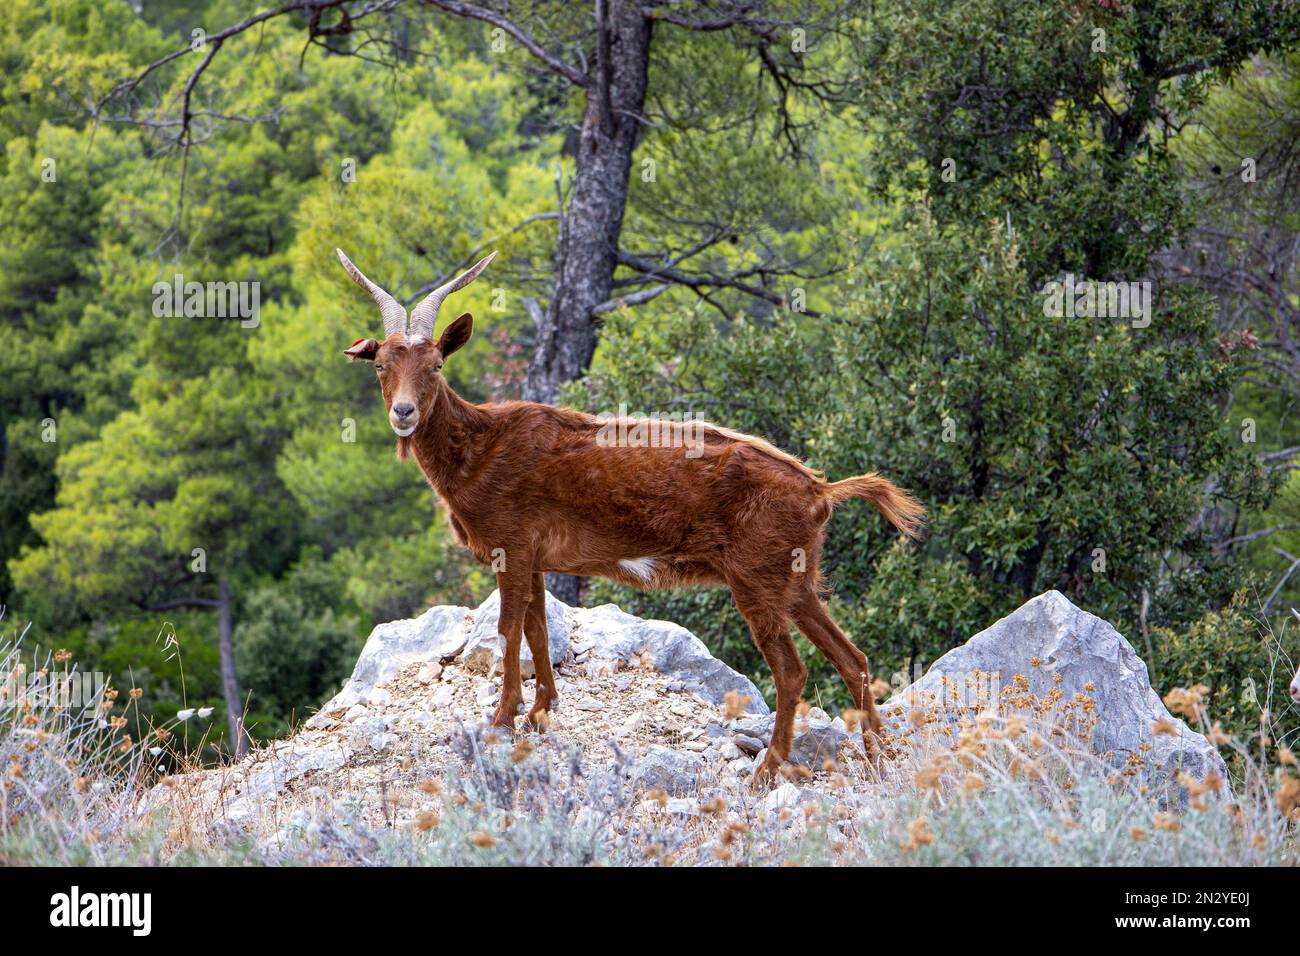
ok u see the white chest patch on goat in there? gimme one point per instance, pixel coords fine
(643, 568)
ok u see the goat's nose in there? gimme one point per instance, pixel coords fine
(404, 409)
(1295, 691)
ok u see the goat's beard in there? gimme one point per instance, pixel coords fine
(403, 448)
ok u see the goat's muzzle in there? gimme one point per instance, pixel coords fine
(403, 418)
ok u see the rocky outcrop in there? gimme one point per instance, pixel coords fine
(577, 635)
(647, 698)
(1048, 659)
(1050, 652)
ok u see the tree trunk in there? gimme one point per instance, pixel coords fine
(590, 226)
(229, 676)
(589, 231)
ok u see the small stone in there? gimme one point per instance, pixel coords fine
(429, 672)
(669, 770)
(321, 721)
(817, 743)
(787, 795)
(442, 697)
(371, 732)
(760, 727)
(729, 751)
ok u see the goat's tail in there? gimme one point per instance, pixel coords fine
(903, 511)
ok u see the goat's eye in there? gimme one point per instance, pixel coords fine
(378, 367)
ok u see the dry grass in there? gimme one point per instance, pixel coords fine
(1008, 781)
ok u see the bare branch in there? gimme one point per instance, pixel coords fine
(534, 311)
(553, 62)
(185, 137)
(1283, 453)
(183, 602)
(702, 281)
(1256, 535)
(741, 15)
(1295, 563)
(128, 86)
(635, 298)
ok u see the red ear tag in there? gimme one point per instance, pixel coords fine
(356, 343)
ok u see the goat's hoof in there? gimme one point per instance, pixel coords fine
(877, 747)
(539, 720)
(769, 773)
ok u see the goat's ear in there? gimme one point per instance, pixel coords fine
(456, 334)
(362, 349)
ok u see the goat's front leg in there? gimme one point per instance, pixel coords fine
(771, 632)
(516, 592)
(540, 646)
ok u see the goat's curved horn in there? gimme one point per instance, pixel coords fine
(392, 311)
(424, 315)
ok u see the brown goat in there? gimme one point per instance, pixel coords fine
(531, 488)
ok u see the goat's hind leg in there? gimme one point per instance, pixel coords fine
(539, 646)
(814, 621)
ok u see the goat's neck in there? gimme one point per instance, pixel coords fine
(444, 443)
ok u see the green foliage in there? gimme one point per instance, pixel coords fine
(1238, 164)
(291, 657)
(393, 578)
(1231, 653)
(1067, 453)
(1036, 441)
(129, 440)
(1057, 113)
